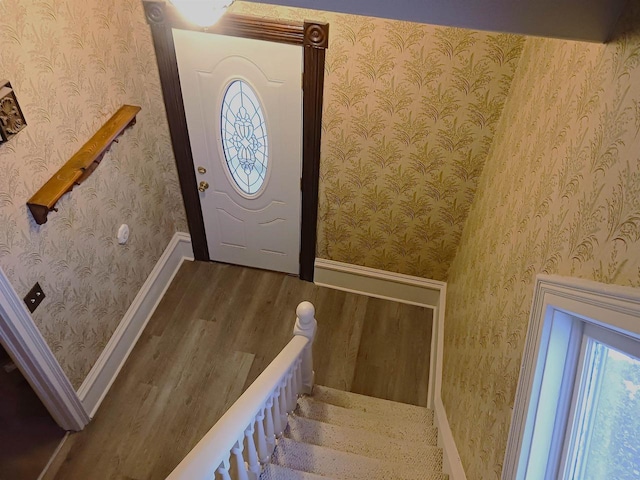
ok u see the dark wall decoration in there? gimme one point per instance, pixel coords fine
(11, 117)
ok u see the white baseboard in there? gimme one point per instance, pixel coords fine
(53, 458)
(378, 283)
(452, 464)
(106, 369)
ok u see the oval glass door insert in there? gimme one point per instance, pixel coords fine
(244, 137)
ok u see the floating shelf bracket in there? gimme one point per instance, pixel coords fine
(82, 164)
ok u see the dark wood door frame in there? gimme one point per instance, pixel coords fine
(314, 38)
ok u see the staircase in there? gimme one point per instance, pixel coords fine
(276, 430)
(340, 435)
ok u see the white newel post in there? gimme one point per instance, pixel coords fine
(248, 432)
(306, 326)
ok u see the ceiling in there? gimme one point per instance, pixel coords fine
(589, 20)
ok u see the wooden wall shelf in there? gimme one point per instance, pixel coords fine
(82, 164)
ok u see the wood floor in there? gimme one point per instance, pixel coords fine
(214, 332)
(28, 434)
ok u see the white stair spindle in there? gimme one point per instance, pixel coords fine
(299, 377)
(291, 391)
(252, 454)
(306, 326)
(277, 416)
(284, 399)
(263, 453)
(271, 432)
(284, 403)
(283, 406)
(223, 470)
(240, 465)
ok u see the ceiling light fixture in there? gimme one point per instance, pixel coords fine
(202, 12)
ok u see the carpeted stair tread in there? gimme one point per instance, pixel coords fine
(345, 466)
(377, 406)
(422, 452)
(383, 424)
(276, 472)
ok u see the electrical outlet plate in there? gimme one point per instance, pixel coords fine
(34, 297)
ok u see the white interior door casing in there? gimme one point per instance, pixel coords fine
(260, 229)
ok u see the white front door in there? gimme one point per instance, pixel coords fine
(243, 104)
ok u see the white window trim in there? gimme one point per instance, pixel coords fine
(610, 306)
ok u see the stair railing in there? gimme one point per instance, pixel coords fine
(246, 434)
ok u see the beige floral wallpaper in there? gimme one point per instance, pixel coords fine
(409, 114)
(72, 64)
(559, 194)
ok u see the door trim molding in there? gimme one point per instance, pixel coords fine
(24, 342)
(314, 38)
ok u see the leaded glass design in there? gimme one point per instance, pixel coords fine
(244, 136)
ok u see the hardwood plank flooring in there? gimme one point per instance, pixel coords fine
(391, 353)
(28, 434)
(216, 329)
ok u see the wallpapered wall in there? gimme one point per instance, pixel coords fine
(72, 64)
(410, 112)
(409, 115)
(559, 194)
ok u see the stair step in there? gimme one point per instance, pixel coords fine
(276, 472)
(378, 406)
(383, 424)
(423, 453)
(342, 465)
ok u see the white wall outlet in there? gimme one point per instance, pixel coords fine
(123, 234)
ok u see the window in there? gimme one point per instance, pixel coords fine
(577, 409)
(603, 436)
(244, 137)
